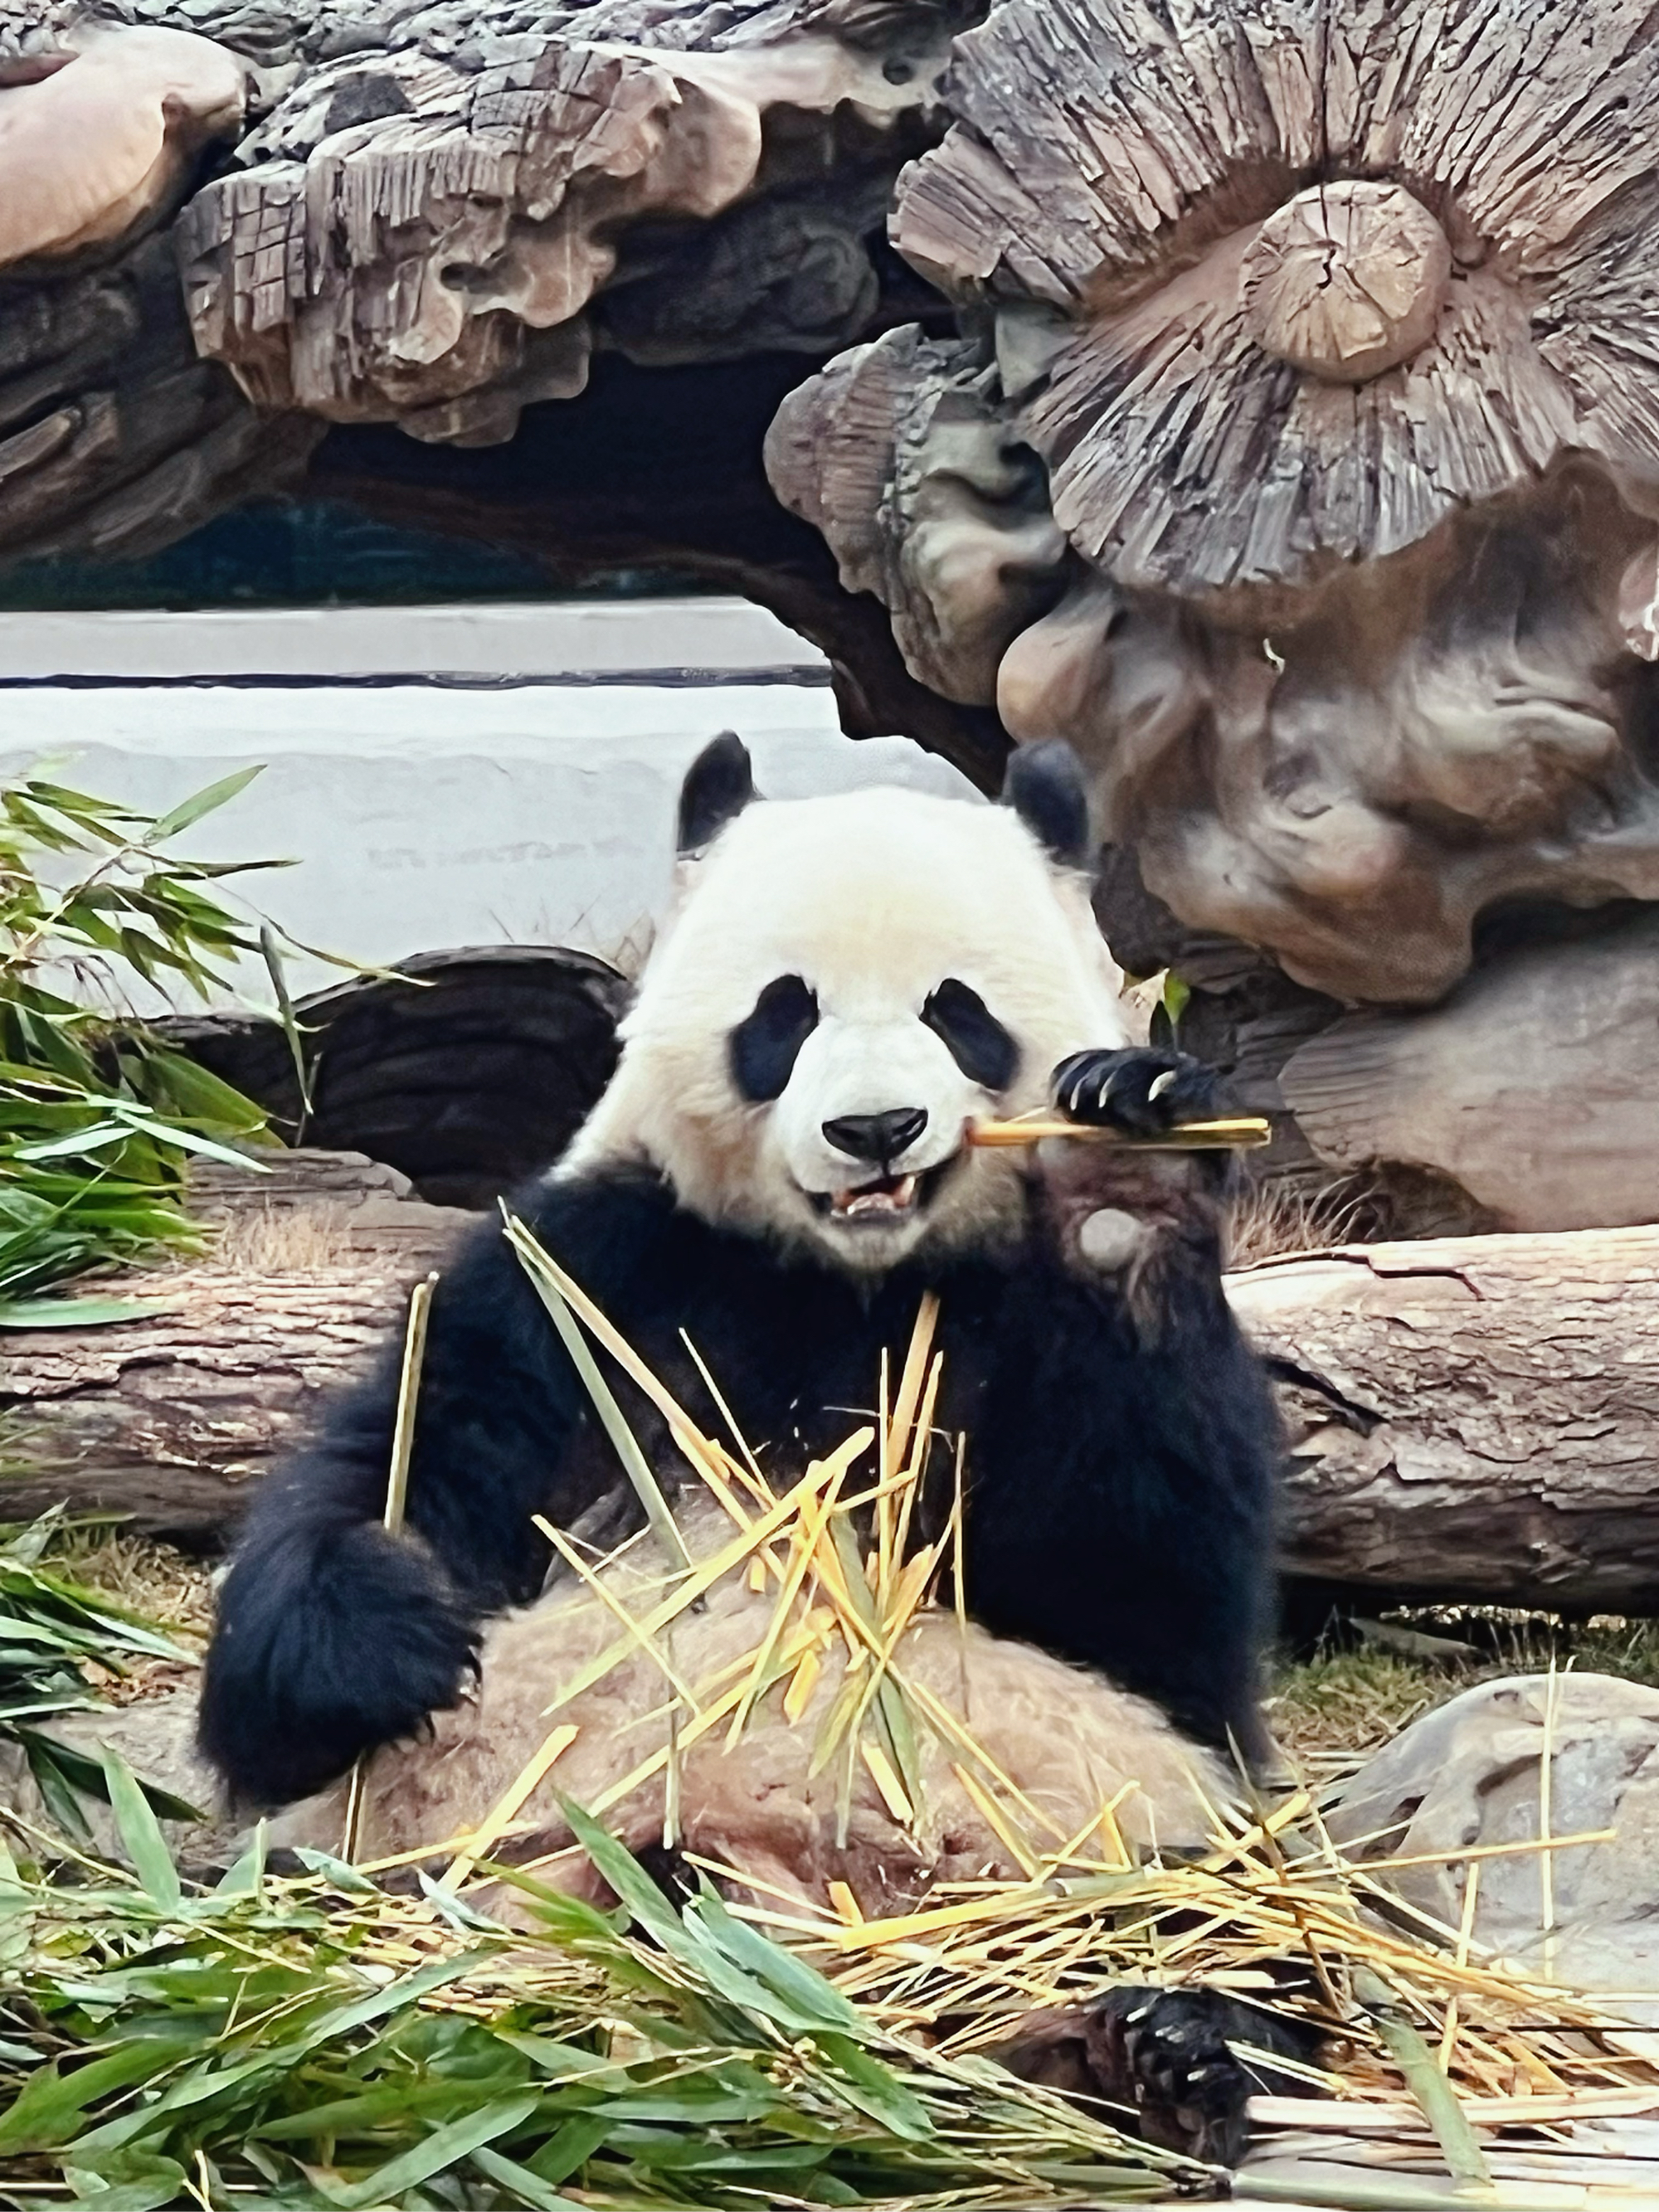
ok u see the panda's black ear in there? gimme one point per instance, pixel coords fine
(719, 784)
(1044, 785)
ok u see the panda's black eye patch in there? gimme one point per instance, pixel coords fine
(765, 1045)
(976, 1040)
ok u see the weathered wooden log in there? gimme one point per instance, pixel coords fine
(168, 1418)
(1471, 1418)
(1335, 386)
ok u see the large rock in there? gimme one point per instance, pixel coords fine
(1471, 1774)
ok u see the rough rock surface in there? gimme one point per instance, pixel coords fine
(1471, 1774)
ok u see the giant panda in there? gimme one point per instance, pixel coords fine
(775, 1172)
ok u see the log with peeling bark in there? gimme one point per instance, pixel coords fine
(1472, 1418)
(1468, 1419)
(169, 1417)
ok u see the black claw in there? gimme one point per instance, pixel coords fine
(1143, 1090)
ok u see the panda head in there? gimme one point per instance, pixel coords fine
(844, 985)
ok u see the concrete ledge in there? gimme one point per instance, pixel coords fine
(663, 640)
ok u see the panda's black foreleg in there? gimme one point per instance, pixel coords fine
(332, 1636)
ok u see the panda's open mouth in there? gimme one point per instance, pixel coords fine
(885, 1200)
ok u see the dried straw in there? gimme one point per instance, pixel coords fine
(1440, 2036)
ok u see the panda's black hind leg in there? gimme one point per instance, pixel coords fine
(1142, 1089)
(1167, 2057)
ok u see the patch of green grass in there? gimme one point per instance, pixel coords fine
(1351, 1702)
(1350, 1699)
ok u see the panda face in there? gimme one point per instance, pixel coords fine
(846, 985)
(870, 1102)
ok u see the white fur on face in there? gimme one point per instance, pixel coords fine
(873, 898)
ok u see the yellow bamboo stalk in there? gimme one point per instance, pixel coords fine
(1230, 1132)
(920, 1445)
(802, 1683)
(707, 1573)
(1020, 1850)
(804, 1544)
(613, 1605)
(504, 1809)
(911, 1379)
(397, 1500)
(892, 1789)
(1465, 1935)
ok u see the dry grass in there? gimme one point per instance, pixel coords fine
(1331, 1712)
(167, 1586)
(275, 1240)
(162, 1586)
(1273, 1218)
(1340, 1707)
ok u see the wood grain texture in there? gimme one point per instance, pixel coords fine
(419, 236)
(1471, 1418)
(1534, 1087)
(1352, 615)
(1136, 176)
(169, 1417)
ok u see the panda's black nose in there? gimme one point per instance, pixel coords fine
(878, 1137)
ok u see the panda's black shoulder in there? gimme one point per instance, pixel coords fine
(654, 1265)
(601, 1228)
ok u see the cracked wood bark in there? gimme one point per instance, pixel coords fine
(1471, 1418)
(169, 1418)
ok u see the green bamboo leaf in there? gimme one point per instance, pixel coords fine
(98, 1138)
(140, 1831)
(569, 2148)
(76, 1313)
(444, 2147)
(57, 1791)
(140, 1119)
(352, 2119)
(813, 2002)
(86, 1775)
(524, 2184)
(142, 2183)
(45, 2112)
(877, 2090)
(203, 802)
(244, 1878)
(645, 1902)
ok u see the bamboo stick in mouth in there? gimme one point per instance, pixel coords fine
(1230, 1132)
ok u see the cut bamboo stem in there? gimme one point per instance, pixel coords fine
(1465, 2160)
(397, 1499)
(1234, 1132)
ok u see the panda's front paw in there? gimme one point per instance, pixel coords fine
(1141, 1091)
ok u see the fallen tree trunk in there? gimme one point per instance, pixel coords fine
(169, 1417)
(1468, 1419)
(1471, 1418)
